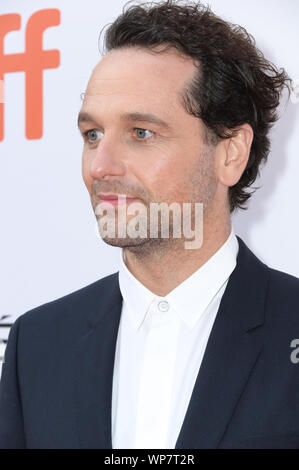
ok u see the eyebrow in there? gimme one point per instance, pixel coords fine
(133, 116)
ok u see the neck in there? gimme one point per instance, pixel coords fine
(163, 267)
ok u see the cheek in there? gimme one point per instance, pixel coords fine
(162, 175)
(85, 173)
(154, 173)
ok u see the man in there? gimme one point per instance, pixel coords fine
(183, 347)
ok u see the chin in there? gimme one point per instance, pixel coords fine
(125, 242)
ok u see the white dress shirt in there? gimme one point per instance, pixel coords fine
(160, 345)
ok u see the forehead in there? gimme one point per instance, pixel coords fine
(134, 76)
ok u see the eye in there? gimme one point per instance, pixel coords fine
(140, 132)
(91, 135)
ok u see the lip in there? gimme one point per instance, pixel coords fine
(113, 198)
(109, 196)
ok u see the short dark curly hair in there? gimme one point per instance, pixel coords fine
(234, 83)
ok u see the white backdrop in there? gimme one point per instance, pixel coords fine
(49, 245)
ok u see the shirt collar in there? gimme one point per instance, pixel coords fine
(135, 295)
(192, 296)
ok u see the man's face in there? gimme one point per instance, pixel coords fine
(139, 158)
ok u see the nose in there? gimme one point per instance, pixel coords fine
(106, 161)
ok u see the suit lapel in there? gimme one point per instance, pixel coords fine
(94, 364)
(233, 348)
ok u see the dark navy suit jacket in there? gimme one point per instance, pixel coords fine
(56, 384)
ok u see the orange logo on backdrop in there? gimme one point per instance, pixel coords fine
(33, 61)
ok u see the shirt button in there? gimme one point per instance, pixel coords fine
(163, 306)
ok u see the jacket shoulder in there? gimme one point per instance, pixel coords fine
(284, 282)
(70, 309)
(283, 296)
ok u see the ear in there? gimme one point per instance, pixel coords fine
(233, 155)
